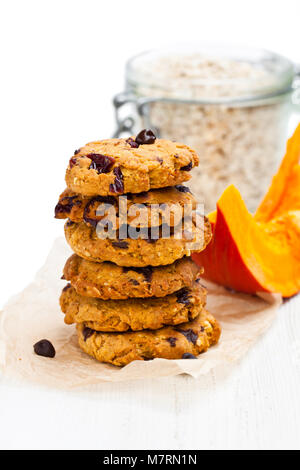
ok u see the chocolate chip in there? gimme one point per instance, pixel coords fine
(76, 151)
(187, 167)
(146, 272)
(66, 287)
(65, 205)
(44, 348)
(182, 189)
(188, 356)
(101, 163)
(148, 358)
(146, 136)
(134, 282)
(190, 335)
(120, 244)
(132, 143)
(63, 277)
(118, 186)
(87, 332)
(183, 296)
(72, 162)
(172, 341)
(101, 199)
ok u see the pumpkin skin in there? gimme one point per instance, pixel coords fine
(259, 253)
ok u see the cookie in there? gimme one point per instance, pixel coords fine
(140, 252)
(155, 207)
(119, 166)
(170, 342)
(109, 281)
(132, 314)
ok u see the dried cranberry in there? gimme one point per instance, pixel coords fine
(191, 316)
(61, 209)
(183, 296)
(72, 162)
(101, 163)
(190, 335)
(101, 199)
(182, 189)
(187, 167)
(188, 356)
(66, 287)
(66, 208)
(146, 272)
(87, 332)
(133, 144)
(172, 341)
(146, 136)
(118, 186)
(120, 244)
(69, 223)
(44, 348)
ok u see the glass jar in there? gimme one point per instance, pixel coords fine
(231, 104)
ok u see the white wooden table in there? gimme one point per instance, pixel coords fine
(256, 406)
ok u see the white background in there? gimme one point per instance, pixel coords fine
(61, 63)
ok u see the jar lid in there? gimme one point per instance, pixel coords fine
(209, 74)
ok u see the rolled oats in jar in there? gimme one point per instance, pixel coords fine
(231, 105)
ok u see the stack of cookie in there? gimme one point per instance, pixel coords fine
(134, 291)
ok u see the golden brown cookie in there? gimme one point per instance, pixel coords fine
(110, 281)
(134, 314)
(180, 342)
(139, 252)
(155, 207)
(119, 166)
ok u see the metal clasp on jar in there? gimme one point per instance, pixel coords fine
(140, 108)
(296, 87)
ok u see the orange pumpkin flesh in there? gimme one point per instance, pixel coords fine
(262, 252)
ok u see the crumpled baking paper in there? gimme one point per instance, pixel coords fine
(34, 314)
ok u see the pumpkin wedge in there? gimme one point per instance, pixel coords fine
(284, 192)
(262, 252)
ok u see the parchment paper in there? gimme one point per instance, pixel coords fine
(34, 314)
